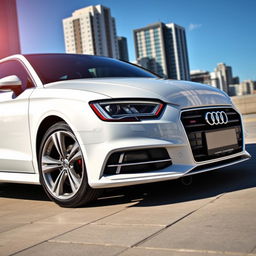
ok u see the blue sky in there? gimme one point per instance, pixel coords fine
(217, 31)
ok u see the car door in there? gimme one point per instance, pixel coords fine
(15, 145)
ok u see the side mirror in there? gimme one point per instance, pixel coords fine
(12, 83)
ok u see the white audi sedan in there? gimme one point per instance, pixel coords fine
(77, 123)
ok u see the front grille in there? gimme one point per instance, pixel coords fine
(137, 161)
(196, 128)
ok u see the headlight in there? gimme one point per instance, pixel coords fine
(126, 110)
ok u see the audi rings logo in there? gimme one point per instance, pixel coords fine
(216, 118)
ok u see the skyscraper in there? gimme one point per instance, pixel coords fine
(162, 48)
(224, 75)
(123, 49)
(91, 30)
(9, 32)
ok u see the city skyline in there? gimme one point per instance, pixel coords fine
(214, 34)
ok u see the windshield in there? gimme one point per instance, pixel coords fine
(59, 67)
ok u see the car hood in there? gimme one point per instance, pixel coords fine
(181, 93)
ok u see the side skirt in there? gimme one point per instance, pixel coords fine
(26, 178)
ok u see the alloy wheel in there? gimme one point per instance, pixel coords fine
(62, 165)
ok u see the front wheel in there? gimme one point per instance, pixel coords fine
(62, 168)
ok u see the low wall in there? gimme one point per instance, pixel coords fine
(246, 104)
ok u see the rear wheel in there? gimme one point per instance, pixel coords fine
(62, 168)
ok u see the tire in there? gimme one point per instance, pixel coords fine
(62, 168)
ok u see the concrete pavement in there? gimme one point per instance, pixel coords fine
(215, 215)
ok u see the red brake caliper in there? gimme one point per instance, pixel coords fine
(79, 161)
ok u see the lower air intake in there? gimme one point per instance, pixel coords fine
(137, 161)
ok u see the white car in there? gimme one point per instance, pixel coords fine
(79, 123)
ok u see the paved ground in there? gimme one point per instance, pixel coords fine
(216, 215)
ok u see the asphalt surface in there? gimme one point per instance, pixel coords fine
(215, 215)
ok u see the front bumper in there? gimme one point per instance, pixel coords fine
(168, 132)
(174, 172)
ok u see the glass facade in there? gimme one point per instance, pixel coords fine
(162, 49)
(149, 49)
(172, 72)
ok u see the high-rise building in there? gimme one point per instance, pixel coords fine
(224, 75)
(236, 80)
(248, 87)
(91, 30)
(9, 32)
(236, 90)
(162, 48)
(123, 49)
(200, 76)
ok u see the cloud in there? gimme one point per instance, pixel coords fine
(192, 26)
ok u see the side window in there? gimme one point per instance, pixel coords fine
(13, 67)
